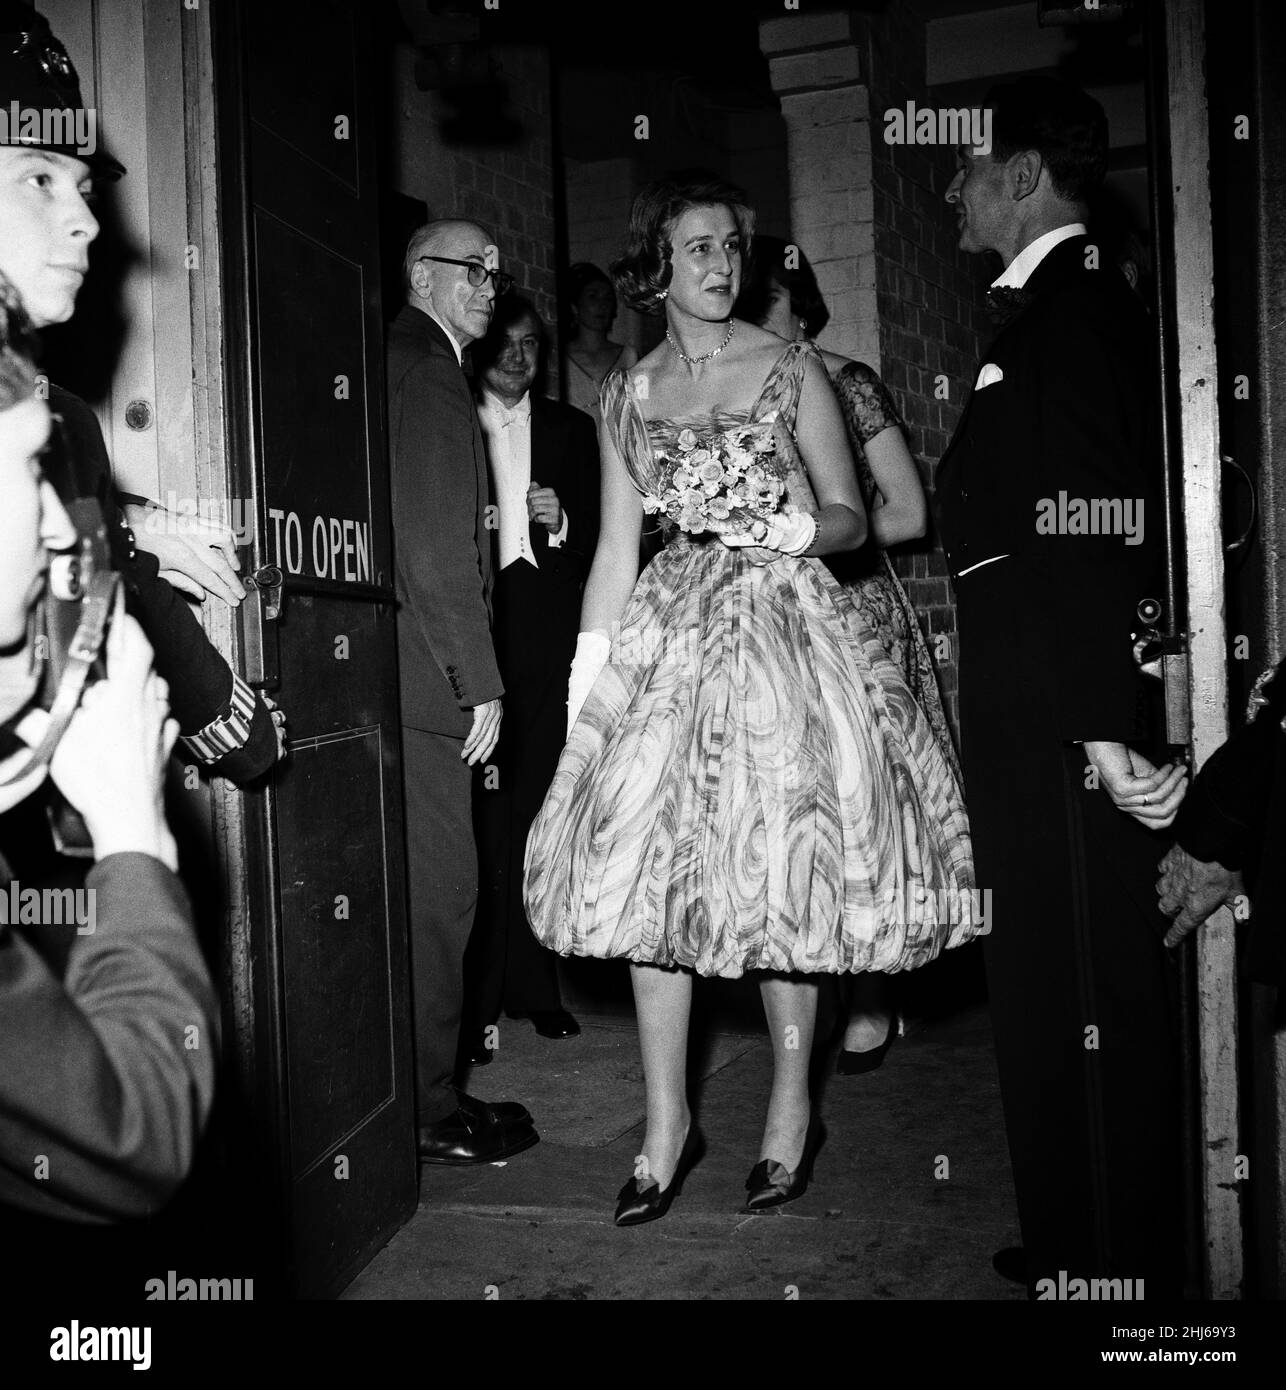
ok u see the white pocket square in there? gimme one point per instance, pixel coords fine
(989, 375)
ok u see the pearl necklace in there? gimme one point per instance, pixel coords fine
(705, 356)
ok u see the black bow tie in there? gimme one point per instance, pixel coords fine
(1005, 303)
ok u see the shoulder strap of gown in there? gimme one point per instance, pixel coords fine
(625, 425)
(782, 386)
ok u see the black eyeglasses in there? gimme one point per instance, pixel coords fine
(478, 273)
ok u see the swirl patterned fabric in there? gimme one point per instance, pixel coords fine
(751, 785)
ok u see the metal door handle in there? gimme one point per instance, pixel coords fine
(265, 598)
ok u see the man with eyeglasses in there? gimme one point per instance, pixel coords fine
(449, 682)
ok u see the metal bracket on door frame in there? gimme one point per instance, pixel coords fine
(265, 598)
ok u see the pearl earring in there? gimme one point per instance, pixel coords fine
(661, 294)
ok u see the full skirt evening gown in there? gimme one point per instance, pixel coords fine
(751, 784)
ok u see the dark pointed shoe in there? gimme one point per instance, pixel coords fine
(637, 1202)
(770, 1184)
(554, 1023)
(856, 1063)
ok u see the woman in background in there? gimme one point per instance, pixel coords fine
(781, 294)
(591, 354)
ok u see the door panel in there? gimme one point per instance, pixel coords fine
(334, 909)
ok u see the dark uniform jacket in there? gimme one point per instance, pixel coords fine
(1235, 814)
(442, 545)
(107, 1065)
(199, 678)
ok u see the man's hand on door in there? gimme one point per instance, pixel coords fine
(196, 556)
(1150, 794)
(278, 727)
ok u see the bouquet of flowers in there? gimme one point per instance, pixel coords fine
(729, 482)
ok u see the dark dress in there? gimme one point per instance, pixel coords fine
(869, 410)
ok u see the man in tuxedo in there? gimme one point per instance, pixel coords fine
(449, 684)
(1049, 507)
(544, 474)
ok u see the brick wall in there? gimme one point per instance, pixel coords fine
(509, 188)
(816, 72)
(599, 193)
(928, 297)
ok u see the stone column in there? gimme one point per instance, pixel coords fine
(816, 71)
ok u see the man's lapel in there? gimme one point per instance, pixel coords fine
(1065, 261)
(419, 323)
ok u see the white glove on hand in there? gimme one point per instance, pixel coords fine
(790, 533)
(592, 649)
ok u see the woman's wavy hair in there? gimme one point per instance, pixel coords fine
(779, 262)
(17, 349)
(643, 269)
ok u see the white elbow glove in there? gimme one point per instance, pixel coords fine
(592, 650)
(791, 533)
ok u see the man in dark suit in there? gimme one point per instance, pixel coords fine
(544, 473)
(450, 686)
(1049, 507)
(1229, 835)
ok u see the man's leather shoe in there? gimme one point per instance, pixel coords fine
(508, 1110)
(1011, 1263)
(476, 1053)
(474, 1134)
(554, 1023)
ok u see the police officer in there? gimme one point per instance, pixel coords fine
(47, 174)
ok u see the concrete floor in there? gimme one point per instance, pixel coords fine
(910, 1197)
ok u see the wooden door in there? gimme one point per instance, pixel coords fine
(323, 1016)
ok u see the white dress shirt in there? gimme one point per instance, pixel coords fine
(1016, 274)
(508, 435)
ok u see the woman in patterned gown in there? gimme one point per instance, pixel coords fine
(747, 785)
(781, 294)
